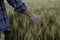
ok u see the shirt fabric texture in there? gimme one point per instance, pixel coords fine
(18, 6)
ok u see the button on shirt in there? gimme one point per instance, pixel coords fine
(18, 6)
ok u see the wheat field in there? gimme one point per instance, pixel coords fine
(23, 28)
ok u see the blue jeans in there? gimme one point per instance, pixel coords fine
(6, 33)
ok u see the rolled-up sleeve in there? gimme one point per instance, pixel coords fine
(18, 5)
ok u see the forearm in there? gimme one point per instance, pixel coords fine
(28, 13)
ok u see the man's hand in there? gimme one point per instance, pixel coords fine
(33, 17)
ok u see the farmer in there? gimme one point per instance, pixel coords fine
(19, 7)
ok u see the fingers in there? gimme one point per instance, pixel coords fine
(37, 21)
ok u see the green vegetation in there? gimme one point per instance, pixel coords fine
(24, 29)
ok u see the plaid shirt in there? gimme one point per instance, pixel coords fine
(18, 6)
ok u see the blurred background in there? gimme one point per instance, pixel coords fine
(23, 28)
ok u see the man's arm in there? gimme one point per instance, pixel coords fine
(33, 17)
(20, 7)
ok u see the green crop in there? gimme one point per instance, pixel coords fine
(24, 29)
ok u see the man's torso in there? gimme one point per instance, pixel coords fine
(4, 22)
